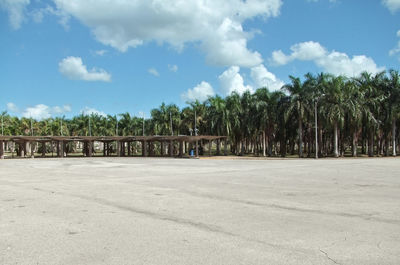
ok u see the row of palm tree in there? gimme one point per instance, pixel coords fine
(320, 114)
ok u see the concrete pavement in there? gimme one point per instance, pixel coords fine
(207, 211)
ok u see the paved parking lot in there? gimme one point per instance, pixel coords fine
(208, 211)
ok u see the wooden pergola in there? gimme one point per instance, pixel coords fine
(122, 143)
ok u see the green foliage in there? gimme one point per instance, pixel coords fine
(355, 107)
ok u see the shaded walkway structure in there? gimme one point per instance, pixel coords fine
(172, 146)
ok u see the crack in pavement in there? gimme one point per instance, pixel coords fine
(327, 256)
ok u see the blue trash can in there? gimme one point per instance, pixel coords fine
(192, 152)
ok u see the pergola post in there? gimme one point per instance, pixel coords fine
(209, 147)
(43, 149)
(23, 149)
(144, 148)
(22, 146)
(129, 149)
(225, 147)
(162, 148)
(89, 148)
(1, 149)
(218, 147)
(197, 148)
(122, 148)
(180, 148)
(31, 149)
(104, 149)
(118, 148)
(171, 148)
(151, 148)
(85, 149)
(60, 148)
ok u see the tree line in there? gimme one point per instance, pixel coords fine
(323, 114)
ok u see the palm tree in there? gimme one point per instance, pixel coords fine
(234, 107)
(261, 98)
(333, 106)
(126, 124)
(217, 115)
(298, 105)
(393, 99)
(174, 118)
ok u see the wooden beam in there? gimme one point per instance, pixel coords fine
(144, 148)
(90, 148)
(129, 149)
(43, 149)
(171, 148)
(180, 148)
(118, 148)
(1, 149)
(162, 148)
(60, 148)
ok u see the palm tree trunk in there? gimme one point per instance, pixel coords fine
(320, 146)
(241, 147)
(264, 143)
(300, 138)
(371, 144)
(336, 142)
(309, 142)
(387, 144)
(354, 143)
(394, 136)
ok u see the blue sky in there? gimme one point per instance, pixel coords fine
(62, 57)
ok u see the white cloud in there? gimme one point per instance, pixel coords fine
(228, 46)
(15, 10)
(90, 111)
(333, 62)
(73, 68)
(60, 110)
(173, 68)
(279, 58)
(200, 92)
(231, 80)
(38, 14)
(39, 111)
(215, 25)
(263, 78)
(153, 71)
(100, 52)
(392, 5)
(340, 64)
(305, 51)
(396, 50)
(42, 111)
(12, 107)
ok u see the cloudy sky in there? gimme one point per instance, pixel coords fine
(64, 57)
